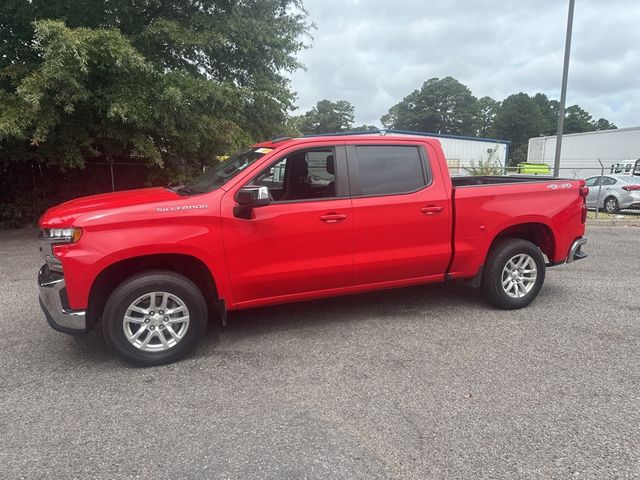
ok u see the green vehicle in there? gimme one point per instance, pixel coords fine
(526, 168)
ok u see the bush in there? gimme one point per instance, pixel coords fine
(484, 167)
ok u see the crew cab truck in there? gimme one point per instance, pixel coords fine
(294, 220)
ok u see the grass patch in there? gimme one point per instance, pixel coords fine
(628, 214)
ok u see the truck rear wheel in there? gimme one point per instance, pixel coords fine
(154, 318)
(513, 274)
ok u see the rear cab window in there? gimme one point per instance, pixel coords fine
(387, 169)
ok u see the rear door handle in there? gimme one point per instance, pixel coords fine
(431, 209)
(332, 217)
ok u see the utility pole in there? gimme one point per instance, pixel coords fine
(563, 93)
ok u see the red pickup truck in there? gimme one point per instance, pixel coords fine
(292, 220)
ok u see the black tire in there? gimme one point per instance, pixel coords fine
(501, 253)
(139, 285)
(611, 205)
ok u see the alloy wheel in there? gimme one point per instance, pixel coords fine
(519, 275)
(156, 321)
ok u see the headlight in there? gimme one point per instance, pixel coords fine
(63, 235)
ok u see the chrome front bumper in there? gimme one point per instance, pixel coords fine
(575, 252)
(55, 305)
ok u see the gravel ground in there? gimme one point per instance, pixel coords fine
(424, 382)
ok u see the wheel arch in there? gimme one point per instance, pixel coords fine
(538, 233)
(114, 274)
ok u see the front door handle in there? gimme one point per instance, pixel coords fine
(332, 217)
(431, 209)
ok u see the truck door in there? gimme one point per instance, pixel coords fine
(401, 213)
(302, 241)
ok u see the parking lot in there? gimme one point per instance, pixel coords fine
(424, 382)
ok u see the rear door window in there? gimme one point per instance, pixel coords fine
(389, 170)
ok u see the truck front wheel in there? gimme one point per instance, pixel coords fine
(154, 318)
(513, 274)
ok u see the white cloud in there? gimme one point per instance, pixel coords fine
(373, 53)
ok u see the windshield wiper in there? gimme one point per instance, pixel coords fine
(186, 190)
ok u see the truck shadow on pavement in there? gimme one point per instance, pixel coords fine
(316, 314)
(425, 302)
(439, 303)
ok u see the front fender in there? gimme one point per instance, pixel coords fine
(103, 246)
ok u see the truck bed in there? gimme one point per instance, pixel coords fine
(547, 209)
(492, 180)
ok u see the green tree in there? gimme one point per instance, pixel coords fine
(486, 108)
(549, 110)
(577, 120)
(171, 84)
(439, 106)
(326, 117)
(518, 119)
(603, 124)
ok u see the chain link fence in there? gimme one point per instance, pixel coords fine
(605, 182)
(574, 168)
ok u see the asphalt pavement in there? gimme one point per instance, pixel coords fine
(417, 383)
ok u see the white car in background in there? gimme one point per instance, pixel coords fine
(618, 192)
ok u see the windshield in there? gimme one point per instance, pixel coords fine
(223, 171)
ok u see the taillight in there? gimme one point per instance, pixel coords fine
(584, 191)
(631, 188)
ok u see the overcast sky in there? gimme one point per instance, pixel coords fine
(373, 53)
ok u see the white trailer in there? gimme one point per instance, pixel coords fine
(617, 149)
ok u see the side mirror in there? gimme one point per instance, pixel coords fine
(253, 196)
(249, 198)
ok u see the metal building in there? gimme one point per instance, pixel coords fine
(582, 153)
(461, 152)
